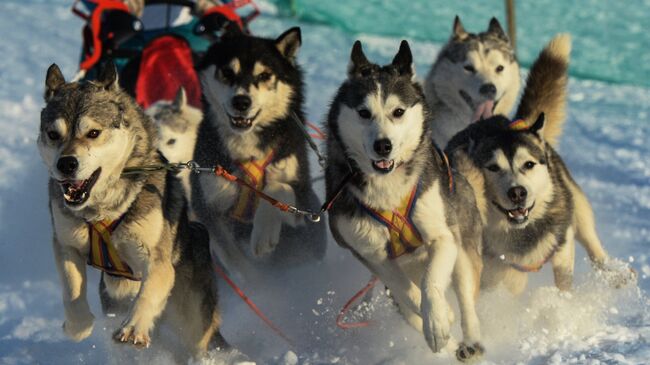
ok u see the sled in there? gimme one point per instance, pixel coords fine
(157, 53)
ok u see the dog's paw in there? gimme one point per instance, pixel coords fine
(435, 324)
(266, 233)
(133, 335)
(469, 353)
(617, 273)
(79, 329)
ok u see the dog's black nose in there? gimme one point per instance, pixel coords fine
(67, 165)
(517, 194)
(241, 102)
(383, 147)
(488, 90)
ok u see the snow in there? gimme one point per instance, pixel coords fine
(605, 144)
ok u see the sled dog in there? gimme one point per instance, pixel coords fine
(474, 76)
(155, 264)
(404, 214)
(531, 206)
(177, 123)
(252, 89)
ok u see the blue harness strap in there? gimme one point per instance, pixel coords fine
(404, 235)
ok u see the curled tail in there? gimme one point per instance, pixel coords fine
(546, 88)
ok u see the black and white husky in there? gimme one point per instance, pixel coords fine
(403, 213)
(252, 89)
(474, 76)
(531, 206)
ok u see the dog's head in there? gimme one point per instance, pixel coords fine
(379, 112)
(515, 166)
(478, 72)
(252, 81)
(87, 133)
(177, 123)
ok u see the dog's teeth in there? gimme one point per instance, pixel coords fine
(511, 215)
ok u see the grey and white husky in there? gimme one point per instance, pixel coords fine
(178, 123)
(531, 206)
(406, 216)
(474, 76)
(156, 265)
(252, 89)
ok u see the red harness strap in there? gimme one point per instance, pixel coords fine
(538, 266)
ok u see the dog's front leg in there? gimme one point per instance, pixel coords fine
(564, 262)
(156, 286)
(402, 289)
(72, 269)
(268, 220)
(437, 276)
(586, 234)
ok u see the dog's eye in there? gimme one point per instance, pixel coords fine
(529, 165)
(364, 113)
(397, 113)
(227, 73)
(171, 141)
(263, 77)
(499, 69)
(54, 136)
(493, 167)
(470, 68)
(94, 133)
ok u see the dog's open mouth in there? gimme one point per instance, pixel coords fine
(484, 110)
(76, 192)
(242, 123)
(383, 166)
(518, 215)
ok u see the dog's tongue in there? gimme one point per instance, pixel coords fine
(384, 164)
(483, 111)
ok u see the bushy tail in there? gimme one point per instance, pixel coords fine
(546, 88)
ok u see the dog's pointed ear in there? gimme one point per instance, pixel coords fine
(53, 81)
(495, 28)
(231, 29)
(359, 64)
(403, 60)
(108, 78)
(180, 101)
(538, 126)
(289, 42)
(458, 32)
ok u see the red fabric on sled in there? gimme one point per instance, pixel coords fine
(167, 65)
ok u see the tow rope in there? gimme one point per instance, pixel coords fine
(346, 308)
(251, 304)
(220, 171)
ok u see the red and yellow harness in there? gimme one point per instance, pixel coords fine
(102, 254)
(404, 236)
(254, 172)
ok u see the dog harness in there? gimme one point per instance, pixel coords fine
(525, 268)
(247, 201)
(518, 125)
(102, 254)
(404, 236)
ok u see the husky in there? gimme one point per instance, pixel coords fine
(155, 264)
(530, 204)
(411, 220)
(177, 123)
(474, 76)
(253, 89)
